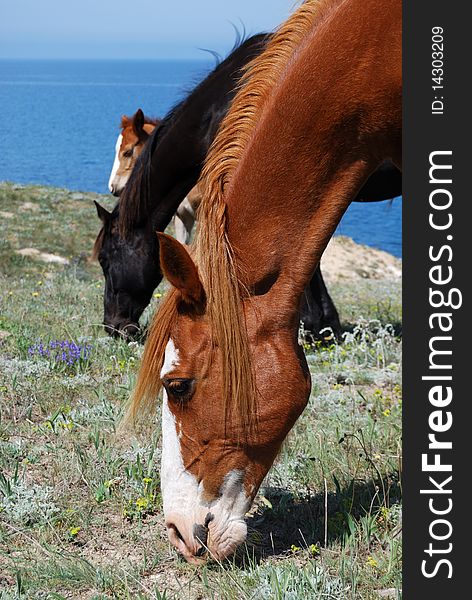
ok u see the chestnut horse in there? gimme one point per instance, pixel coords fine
(165, 173)
(316, 114)
(134, 134)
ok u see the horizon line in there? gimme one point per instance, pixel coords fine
(109, 58)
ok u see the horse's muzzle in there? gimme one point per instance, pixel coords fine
(126, 330)
(115, 191)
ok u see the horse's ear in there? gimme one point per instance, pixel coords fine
(180, 270)
(102, 213)
(138, 124)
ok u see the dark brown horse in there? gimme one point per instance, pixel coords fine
(165, 172)
(318, 112)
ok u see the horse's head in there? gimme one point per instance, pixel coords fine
(131, 271)
(135, 132)
(213, 459)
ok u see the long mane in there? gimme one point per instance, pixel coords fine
(213, 252)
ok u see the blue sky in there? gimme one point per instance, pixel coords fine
(130, 28)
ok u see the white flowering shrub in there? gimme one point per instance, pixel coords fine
(28, 504)
(290, 582)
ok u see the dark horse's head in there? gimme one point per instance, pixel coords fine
(164, 173)
(127, 248)
(131, 270)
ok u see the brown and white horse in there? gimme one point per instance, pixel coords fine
(134, 134)
(317, 113)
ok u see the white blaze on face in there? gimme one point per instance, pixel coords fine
(179, 488)
(182, 493)
(116, 163)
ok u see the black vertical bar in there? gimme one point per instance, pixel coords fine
(429, 128)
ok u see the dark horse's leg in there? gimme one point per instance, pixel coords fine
(317, 310)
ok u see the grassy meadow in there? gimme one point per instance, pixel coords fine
(80, 507)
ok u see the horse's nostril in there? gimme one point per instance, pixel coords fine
(200, 533)
(192, 545)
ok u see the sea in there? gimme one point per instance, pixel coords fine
(59, 120)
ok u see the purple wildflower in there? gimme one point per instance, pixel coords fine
(61, 352)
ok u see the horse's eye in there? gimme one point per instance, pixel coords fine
(180, 389)
(128, 153)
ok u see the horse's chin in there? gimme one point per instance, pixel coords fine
(225, 539)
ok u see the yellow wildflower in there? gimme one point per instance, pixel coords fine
(142, 503)
(371, 562)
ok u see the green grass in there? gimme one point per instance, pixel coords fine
(80, 508)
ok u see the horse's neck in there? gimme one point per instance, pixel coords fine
(178, 158)
(329, 123)
(175, 168)
(168, 190)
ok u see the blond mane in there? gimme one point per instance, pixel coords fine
(213, 252)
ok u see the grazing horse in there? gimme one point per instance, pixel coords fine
(316, 114)
(165, 172)
(135, 132)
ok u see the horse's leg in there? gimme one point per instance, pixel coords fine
(183, 221)
(310, 314)
(318, 310)
(180, 231)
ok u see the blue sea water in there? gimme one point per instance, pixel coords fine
(59, 121)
